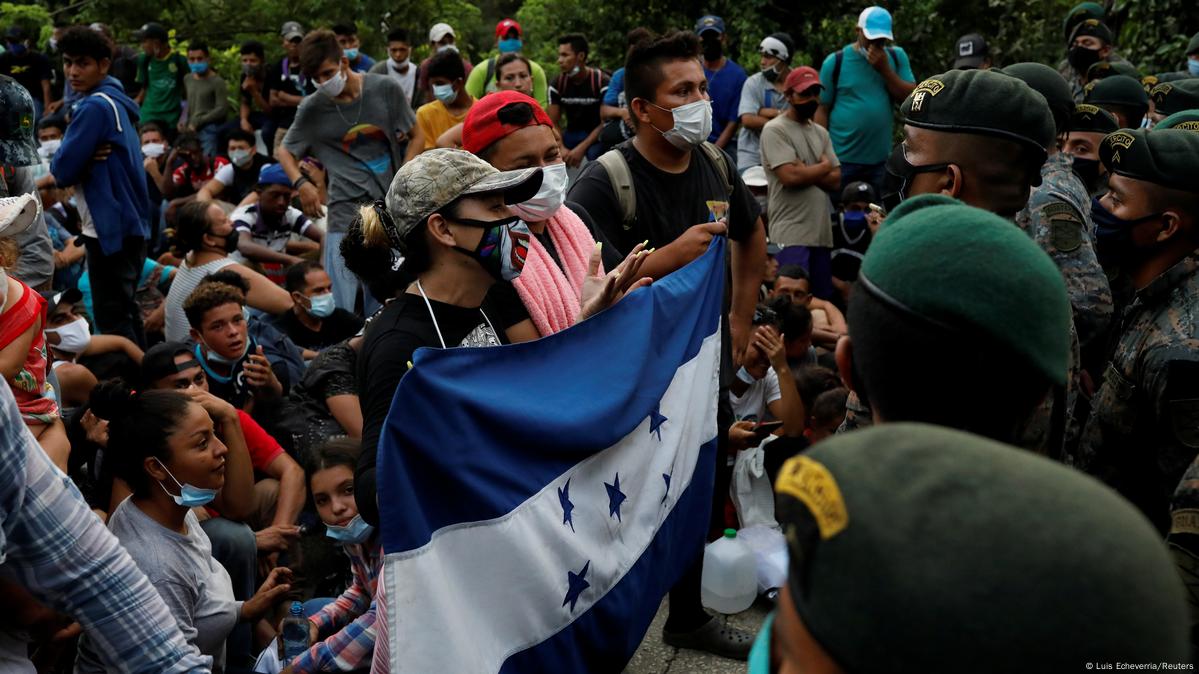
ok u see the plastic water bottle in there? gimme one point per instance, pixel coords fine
(730, 579)
(293, 634)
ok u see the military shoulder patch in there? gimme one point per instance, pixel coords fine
(1161, 91)
(1187, 126)
(1065, 226)
(1086, 109)
(811, 483)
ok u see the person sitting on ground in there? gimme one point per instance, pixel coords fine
(852, 230)
(795, 321)
(264, 228)
(73, 350)
(828, 411)
(170, 448)
(204, 237)
(828, 323)
(235, 181)
(193, 170)
(922, 521)
(327, 396)
(314, 322)
(765, 383)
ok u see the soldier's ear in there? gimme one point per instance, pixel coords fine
(950, 180)
(1171, 226)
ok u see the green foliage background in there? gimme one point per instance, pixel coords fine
(1151, 33)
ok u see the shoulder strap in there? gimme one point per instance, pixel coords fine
(490, 72)
(836, 76)
(621, 178)
(720, 160)
(894, 59)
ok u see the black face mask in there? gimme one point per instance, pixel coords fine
(1088, 171)
(899, 166)
(771, 75)
(713, 49)
(1113, 235)
(230, 240)
(1081, 58)
(805, 111)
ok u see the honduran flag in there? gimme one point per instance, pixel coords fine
(538, 500)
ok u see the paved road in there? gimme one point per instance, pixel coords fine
(655, 657)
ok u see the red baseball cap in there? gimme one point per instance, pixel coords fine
(483, 127)
(502, 28)
(801, 79)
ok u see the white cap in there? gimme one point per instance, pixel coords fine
(18, 213)
(875, 23)
(772, 46)
(439, 31)
(754, 176)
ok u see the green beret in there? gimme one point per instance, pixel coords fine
(1050, 84)
(1093, 119)
(1081, 12)
(1187, 120)
(1102, 69)
(1094, 28)
(1171, 97)
(981, 102)
(1172, 76)
(917, 548)
(1166, 157)
(1193, 45)
(973, 272)
(1118, 90)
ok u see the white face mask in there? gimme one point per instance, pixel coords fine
(239, 157)
(74, 337)
(445, 47)
(154, 150)
(398, 65)
(47, 148)
(549, 197)
(692, 124)
(333, 86)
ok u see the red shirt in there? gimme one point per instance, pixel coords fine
(263, 448)
(196, 177)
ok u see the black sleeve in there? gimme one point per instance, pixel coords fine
(503, 306)
(743, 207)
(593, 193)
(378, 377)
(611, 254)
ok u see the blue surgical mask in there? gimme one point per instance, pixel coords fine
(321, 306)
(357, 531)
(444, 93)
(510, 45)
(1193, 67)
(759, 655)
(854, 221)
(198, 68)
(350, 53)
(213, 357)
(189, 496)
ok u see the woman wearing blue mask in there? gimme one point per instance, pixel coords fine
(170, 448)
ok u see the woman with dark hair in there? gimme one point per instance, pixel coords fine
(166, 445)
(204, 237)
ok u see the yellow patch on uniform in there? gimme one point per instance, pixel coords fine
(1162, 90)
(1091, 22)
(1149, 80)
(933, 87)
(1086, 109)
(26, 121)
(1188, 126)
(809, 481)
(1185, 521)
(1120, 139)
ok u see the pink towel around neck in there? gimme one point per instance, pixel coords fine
(551, 294)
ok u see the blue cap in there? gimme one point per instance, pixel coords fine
(709, 22)
(273, 174)
(875, 23)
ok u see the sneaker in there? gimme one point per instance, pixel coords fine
(715, 637)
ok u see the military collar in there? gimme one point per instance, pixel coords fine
(1171, 278)
(1059, 161)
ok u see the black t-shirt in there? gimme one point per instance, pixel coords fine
(286, 77)
(247, 96)
(580, 99)
(391, 339)
(850, 242)
(668, 204)
(336, 327)
(244, 179)
(29, 69)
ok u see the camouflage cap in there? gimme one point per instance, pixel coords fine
(952, 265)
(1171, 97)
(1050, 84)
(436, 178)
(1101, 69)
(1079, 13)
(1090, 118)
(1094, 28)
(981, 102)
(18, 144)
(1166, 157)
(898, 534)
(1187, 120)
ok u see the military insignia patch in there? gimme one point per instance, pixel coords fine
(933, 87)
(1161, 91)
(812, 483)
(26, 121)
(1187, 126)
(1065, 226)
(1086, 109)
(1120, 139)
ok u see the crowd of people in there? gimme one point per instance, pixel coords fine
(204, 317)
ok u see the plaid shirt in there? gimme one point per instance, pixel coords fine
(52, 544)
(353, 614)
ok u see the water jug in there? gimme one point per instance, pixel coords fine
(730, 579)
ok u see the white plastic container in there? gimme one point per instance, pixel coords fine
(730, 579)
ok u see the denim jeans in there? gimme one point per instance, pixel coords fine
(346, 285)
(210, 135)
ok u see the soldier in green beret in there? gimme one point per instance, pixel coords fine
(922, 549)
(1187, 120)
(1103, 69)
(945, 278)
(1058, 218)
(1171, 97)
(1089, 42)
(1122, 96)
(1089, 125)
(1143, 430)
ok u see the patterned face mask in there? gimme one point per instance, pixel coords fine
(503, 248)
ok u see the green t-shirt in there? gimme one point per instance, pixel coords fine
(163, 80)
(478, 85)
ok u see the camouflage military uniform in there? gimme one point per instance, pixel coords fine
(1074, 79)
(857, 414)
(1144, 425)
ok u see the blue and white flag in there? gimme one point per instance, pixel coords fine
(538, 500)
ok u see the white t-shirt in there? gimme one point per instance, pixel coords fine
(751, 405)
(407, 80)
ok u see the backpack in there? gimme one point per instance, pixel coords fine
(621, 178)
(596, 75)
(838, 59)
